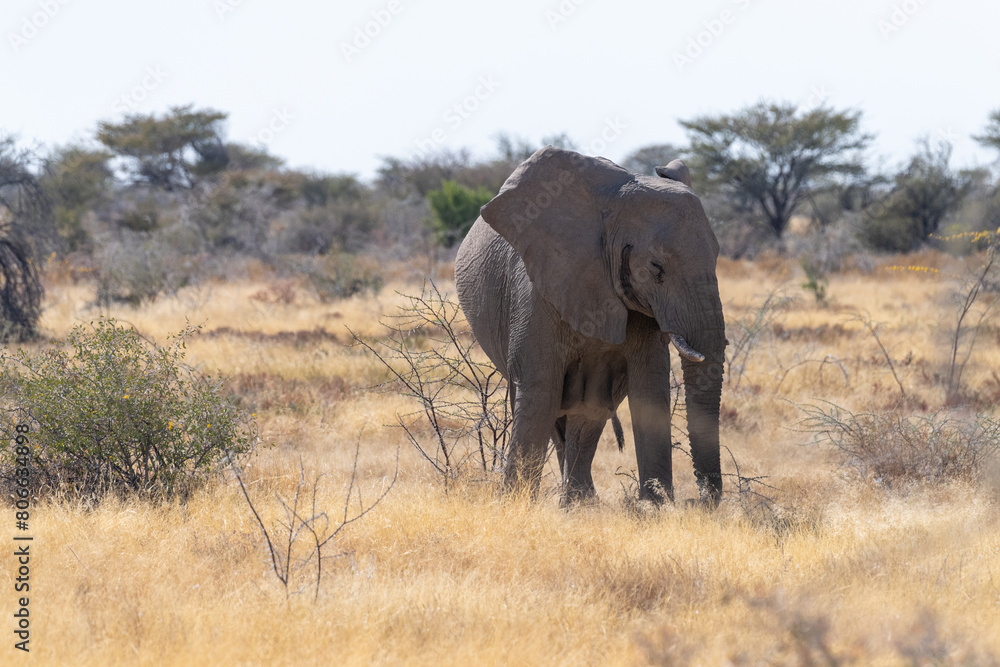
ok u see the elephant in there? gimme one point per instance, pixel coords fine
(574, 279)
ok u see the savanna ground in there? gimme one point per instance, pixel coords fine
(832, 569)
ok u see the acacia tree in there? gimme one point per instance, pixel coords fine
(76, 180)
(991, 135)
(772, 155)
(171, 151)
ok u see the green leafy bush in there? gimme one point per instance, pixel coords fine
(119, 414)
(888, 228)
(923, 194)
(455, 208)
(815, 282)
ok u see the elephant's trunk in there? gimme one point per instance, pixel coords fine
(703, 392)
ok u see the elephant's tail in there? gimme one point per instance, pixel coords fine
(619, 433)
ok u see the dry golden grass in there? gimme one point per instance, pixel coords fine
(837, 571)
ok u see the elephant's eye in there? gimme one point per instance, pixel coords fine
(657, 272)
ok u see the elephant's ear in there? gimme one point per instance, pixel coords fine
(552, 210)
(675, 171)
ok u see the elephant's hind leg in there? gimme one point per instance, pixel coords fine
(582, 435)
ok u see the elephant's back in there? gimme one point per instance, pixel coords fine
(485, 269)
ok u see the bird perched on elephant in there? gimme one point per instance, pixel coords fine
(575, 279)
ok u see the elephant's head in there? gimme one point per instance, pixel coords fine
(598, 241)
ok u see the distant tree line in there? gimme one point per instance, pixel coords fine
(152, 202)
(766, 164)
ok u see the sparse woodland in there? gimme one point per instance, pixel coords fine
(350, 512)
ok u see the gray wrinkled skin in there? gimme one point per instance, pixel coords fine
(575, 279)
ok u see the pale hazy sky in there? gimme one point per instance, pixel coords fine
(297, 76)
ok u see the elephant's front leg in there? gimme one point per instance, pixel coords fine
(649, 404)
(536, 404)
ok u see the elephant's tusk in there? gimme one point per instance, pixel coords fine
(684, 349)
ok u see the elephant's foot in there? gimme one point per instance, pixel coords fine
(700, 503)
(710, 488)
(574, 494)
(521, 480)
(656, 491)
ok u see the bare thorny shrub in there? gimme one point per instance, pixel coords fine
(872, 328)
(298, 538)
(26, 232)
(963, 339)
(750, 492)
(975, 297)
(893, 448)
(890, 447)
(434, 359)
(745, 334)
